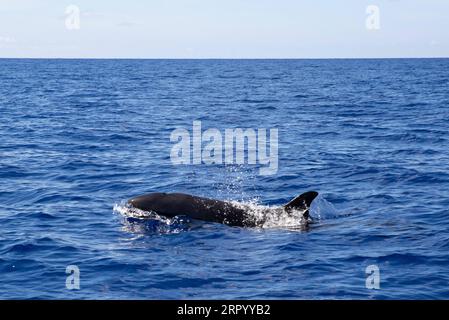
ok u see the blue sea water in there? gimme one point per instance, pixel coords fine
(79, 137)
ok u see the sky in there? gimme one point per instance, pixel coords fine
(224, 28)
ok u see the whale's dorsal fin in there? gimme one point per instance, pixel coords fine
(302, 202)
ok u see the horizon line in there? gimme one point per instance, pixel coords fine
(218, 58)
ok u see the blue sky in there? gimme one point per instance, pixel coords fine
(224, 29)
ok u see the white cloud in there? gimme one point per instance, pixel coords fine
(128, 24)
(7, 39)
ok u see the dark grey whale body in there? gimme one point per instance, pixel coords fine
(229, 213)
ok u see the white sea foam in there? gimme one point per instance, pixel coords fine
(272, 216)
(135, 220)
(129, 211)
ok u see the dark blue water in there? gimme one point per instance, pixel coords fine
(78, 137)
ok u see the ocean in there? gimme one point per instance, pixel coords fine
(80, 137)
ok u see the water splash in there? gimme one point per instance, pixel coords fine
(143, 222)
(272, 216)
(321, 209)
(235, 182)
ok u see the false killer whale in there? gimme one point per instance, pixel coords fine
(226, 212)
